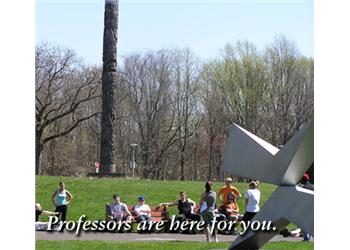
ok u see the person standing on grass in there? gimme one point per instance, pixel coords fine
(226, 190)
(207, 204)
(61, 198)
(252, 199)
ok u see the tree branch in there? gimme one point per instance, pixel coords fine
(67, 131)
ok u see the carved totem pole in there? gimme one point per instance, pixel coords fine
(109, 76)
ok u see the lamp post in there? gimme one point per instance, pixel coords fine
(133, 158)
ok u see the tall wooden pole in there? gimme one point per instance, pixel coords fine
(108, 82)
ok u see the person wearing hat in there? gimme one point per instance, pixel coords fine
(119, 211)
(142, 210)
(225, 190)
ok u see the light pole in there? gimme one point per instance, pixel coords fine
(133, 158)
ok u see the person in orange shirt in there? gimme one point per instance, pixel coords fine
(231, 211)
(225, 190)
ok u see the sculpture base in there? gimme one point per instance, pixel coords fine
(107, 168)
(108, 175)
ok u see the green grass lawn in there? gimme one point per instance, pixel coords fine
(110, 245)
(91, 195)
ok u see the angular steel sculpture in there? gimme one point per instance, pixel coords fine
(247, 155)
(109, 76)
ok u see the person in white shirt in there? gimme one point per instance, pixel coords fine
(142, 210)
(119, 211)
(252, 199)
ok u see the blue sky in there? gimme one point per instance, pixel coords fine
(205, 26)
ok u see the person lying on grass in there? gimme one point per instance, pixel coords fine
(39, 211)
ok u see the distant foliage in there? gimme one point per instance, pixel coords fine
(175, 107)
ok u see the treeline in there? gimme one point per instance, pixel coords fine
(177, 108)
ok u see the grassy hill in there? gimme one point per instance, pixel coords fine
(90, 195)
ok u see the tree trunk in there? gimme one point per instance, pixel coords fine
(52, 153)
(144, 156)
(210, 156)
(38, 155)
(182, 165)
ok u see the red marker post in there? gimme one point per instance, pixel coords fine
(97, 166)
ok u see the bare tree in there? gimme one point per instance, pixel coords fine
(215, 119)
(290, 102)
(241, 77)
(186, 101)
(63, 87)
(148, 80)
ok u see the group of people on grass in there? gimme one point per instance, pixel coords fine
(206, 210)
(188, 210)
(228, 210)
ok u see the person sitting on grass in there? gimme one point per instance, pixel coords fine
(39, 211)
(119, 211)
(185, 206)
(231, 211)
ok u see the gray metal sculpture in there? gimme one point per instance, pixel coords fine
(109, 76)
(247, 155)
